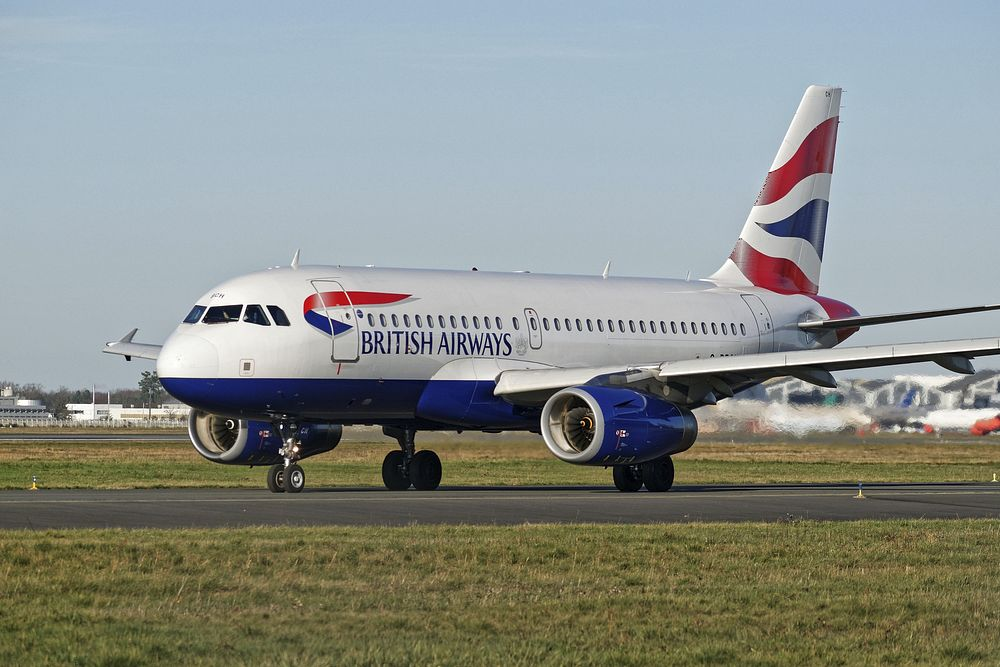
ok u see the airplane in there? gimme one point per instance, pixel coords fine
(607, 369)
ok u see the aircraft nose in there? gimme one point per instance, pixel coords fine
(188, 356)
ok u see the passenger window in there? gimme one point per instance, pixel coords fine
(725, 331)
(631, 326)
(600, 326)
(694, 328)
(194, 315)
(611, 326)
(533, 323)
(732, 327)
(684, 327)
(590, 324)
(704, 329)
(223, 314)
(419, 320)
(743, 329)
(486, 322)
(465, 322)
(579, 324)
(371, 320)
(255, 315)
(517, 325)
(279, 317)
(381, 319)
(621, 325)
(673, 327)
(569, 325)
(395, 320)
(545, 323)
(441, 321)
(499, 323)
(715, 330)
(475, 321)
(454, 322)
(642, 326)
(555, 323)
(430, 321)
(406, 321)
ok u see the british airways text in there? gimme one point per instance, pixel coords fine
(448, 343)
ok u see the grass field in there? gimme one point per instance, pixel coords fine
(505, 460)
(768, 594)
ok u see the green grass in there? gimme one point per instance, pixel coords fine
(781, 594)
(499, 462)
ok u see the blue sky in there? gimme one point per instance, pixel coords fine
(155, 149)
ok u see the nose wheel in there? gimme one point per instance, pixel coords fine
(287, 477)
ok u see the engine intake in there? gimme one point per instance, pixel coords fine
(241, 442)
(613, 426)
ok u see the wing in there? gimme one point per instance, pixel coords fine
(125, 347)
(867, 320)
(701, 381)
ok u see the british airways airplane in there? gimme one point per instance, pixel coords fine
(606, 369)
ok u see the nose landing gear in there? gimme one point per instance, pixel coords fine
(287, 477)
(408, 467)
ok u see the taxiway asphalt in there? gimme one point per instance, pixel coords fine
(185, 508)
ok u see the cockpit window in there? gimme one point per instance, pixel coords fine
(255, 315)
(278, 315)
(222, 314)
(194, 315)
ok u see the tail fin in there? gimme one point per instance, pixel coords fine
(781, 245)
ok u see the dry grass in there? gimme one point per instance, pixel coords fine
(501, 460)
(768, 594)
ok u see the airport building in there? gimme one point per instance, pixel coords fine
(116, 412)
(16, 410)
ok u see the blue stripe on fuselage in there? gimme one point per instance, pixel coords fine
(460, 403)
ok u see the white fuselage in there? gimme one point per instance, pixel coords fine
(389, 344)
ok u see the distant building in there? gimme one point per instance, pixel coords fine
(16, 410)
(86, 412)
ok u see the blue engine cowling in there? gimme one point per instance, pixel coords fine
(240, 442)
(594, 425)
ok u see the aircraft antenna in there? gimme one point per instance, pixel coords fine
(295, 260)
(607, 270)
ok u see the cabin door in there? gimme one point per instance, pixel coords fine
(763, 318)
(338, 319)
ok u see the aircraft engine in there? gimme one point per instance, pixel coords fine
(593, 425)
(241, 442)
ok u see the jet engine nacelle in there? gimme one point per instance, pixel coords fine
(241, 442)
(614, 426)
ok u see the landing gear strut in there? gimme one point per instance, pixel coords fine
(657, 475)
(407, 467)
(288, 476)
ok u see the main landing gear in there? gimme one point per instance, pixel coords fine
(407, 467)
(657, 475)
(288, 476)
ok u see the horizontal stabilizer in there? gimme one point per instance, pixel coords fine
(866, 320)
(125, 347)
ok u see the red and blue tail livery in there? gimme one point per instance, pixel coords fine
(781, 245)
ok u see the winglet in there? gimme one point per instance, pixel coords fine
(295, 259)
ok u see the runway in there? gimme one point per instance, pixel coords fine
(179, 508)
